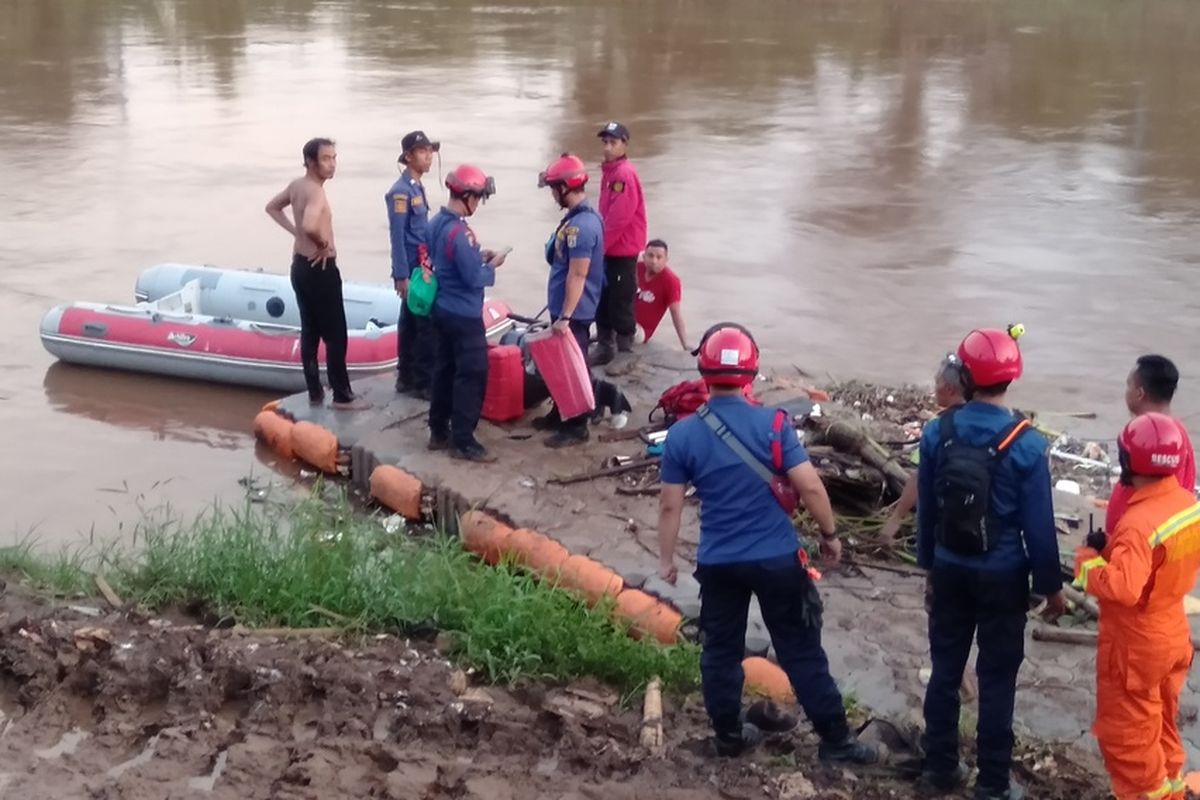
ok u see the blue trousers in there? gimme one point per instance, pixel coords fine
(460, 370)
(791, 609)
(990, 605)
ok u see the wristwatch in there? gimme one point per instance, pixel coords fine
(828, 536)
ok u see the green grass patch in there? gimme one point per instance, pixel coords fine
(64, 572)
(292, 565)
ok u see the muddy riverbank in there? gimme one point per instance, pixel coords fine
(108, 704)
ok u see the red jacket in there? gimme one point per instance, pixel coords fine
(623, 208)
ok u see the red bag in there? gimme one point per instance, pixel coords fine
(781, 485)
(685, 398)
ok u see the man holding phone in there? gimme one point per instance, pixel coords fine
(460, 365)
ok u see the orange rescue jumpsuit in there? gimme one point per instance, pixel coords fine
(1144, 649)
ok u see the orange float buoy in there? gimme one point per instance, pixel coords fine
(275, 432)
(315, 445)
(536, 552)
(663, 623)
(519, 546)
(765, 678)
(589, 578)
(634, 609)
(484, 535)
(398, 490)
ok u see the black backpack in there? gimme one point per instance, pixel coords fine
(963, 486)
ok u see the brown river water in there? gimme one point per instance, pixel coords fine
(858, 181)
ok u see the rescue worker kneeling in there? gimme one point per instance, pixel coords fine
(748, 546)
(1140, 573)
(460, 365)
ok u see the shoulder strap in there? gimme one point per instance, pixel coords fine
(998, 445)
(733, 443)
(1010, 434)
(946, 425)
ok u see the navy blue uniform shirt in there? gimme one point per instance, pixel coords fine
(458, 264)
(1025, 538)
(408, 219)
(740, 519)
(580, 234)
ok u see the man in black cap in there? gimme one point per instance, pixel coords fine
(408, 215)
(624, 210)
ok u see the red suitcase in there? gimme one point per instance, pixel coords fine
(504, 400)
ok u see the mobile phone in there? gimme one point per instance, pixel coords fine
(500, 254)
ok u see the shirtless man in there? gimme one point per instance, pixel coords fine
(315, 276)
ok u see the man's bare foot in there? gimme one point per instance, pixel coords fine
(356, 403)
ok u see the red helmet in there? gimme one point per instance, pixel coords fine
(567, 170)
(1151, 444)
(470, 179)
(727, 355)
(991, 356)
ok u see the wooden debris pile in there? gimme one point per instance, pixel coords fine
(863, 440)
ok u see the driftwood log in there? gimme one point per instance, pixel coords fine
(1081, 600)
(1044, 633)
(849, 436)
(604, 472)
(652, 718)
(1064, 635)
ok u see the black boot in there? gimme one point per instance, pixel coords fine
(472, 451)
(568, 437)
(1013, 792)
(731, 746)
(547, 422)
(943, 782)
(848, 751)
(601, 353)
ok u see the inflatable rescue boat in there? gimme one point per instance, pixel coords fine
(226, 326)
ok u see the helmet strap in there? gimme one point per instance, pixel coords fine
(1126, 469)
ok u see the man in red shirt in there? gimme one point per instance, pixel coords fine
(624, 211)
(659, 291)
(1149, 388)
